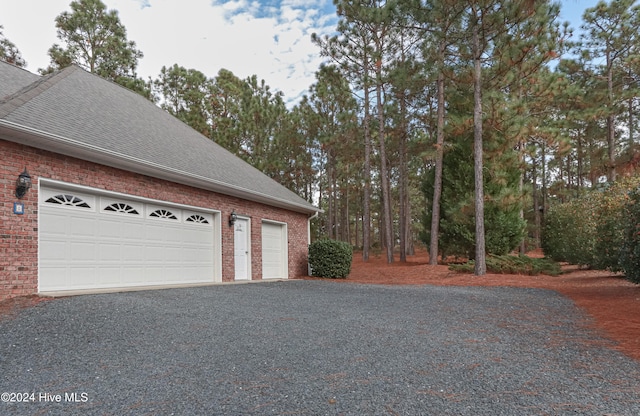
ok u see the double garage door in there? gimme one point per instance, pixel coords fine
(93, 241)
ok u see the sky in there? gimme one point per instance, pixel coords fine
(267, 38)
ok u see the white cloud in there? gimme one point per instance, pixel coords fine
(271, 40)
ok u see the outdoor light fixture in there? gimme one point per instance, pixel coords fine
(23, 183)
(232, 218)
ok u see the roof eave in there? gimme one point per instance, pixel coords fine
(57, 144)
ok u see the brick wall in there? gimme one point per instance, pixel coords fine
(19, 233)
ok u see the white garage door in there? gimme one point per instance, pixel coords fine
(90, 241)
(274, 251)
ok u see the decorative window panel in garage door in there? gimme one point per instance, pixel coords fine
(91, 241)
(274, 251)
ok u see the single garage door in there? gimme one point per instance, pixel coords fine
(274, 251)
(90, 241)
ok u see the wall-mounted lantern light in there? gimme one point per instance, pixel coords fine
(232, 218)
(23, 183)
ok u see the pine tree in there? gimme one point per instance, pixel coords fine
(503, 36)
(9, 52)
(496, 48)
(352, 51)
(185, 93)
(95, 39)
(613, 33)
(226, 102)
(335, 112)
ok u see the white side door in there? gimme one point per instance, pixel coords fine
(241, 245)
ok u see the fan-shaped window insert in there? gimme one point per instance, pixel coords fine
(122, 208)
(198, 219)
(65, 199)
(163, 213)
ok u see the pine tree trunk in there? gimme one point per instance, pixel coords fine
(404, 186)
(366, 204)
(356, 230)
(536, 203)
(346, 224)
(523, 244)
(543, 212)
(480, 260)
(579, 152)
(630, 109)
(330, 193)
(384, 175)
(611, 128)
(336, 208)
(406, 225)
(437, 185)
(404, 214)
(403, 219)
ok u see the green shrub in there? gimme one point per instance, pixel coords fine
(330, 258)
(590, 230)
(570, 232)
(629, 259)
(504, 230)
(513, 265)
(611, 222)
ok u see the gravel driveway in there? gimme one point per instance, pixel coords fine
(313, 348)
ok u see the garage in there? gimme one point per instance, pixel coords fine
(92, 240)
(104, 191)
(274, 251)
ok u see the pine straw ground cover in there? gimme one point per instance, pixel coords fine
(612, 301)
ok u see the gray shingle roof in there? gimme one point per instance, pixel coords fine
(77, 113)
(12, 78)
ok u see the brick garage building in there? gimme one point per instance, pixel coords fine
(126, 196)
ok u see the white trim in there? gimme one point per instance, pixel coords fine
(52, 183)
(274, 222)
(249, 240)
(309, 239)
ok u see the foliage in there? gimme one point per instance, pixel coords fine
(402, 81)
(504, 229)
(508, 264)
(612, 35)
(9, 51)
(570, 231)
(630, 249)
(611, 219)
(590, 230)
(183, 93)
(330, 258)
(330, 124)
(95, 39)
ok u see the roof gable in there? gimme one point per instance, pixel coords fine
(83, 115)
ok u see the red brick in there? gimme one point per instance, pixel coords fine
(19, 233)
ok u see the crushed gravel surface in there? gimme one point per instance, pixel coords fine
(313, 348)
